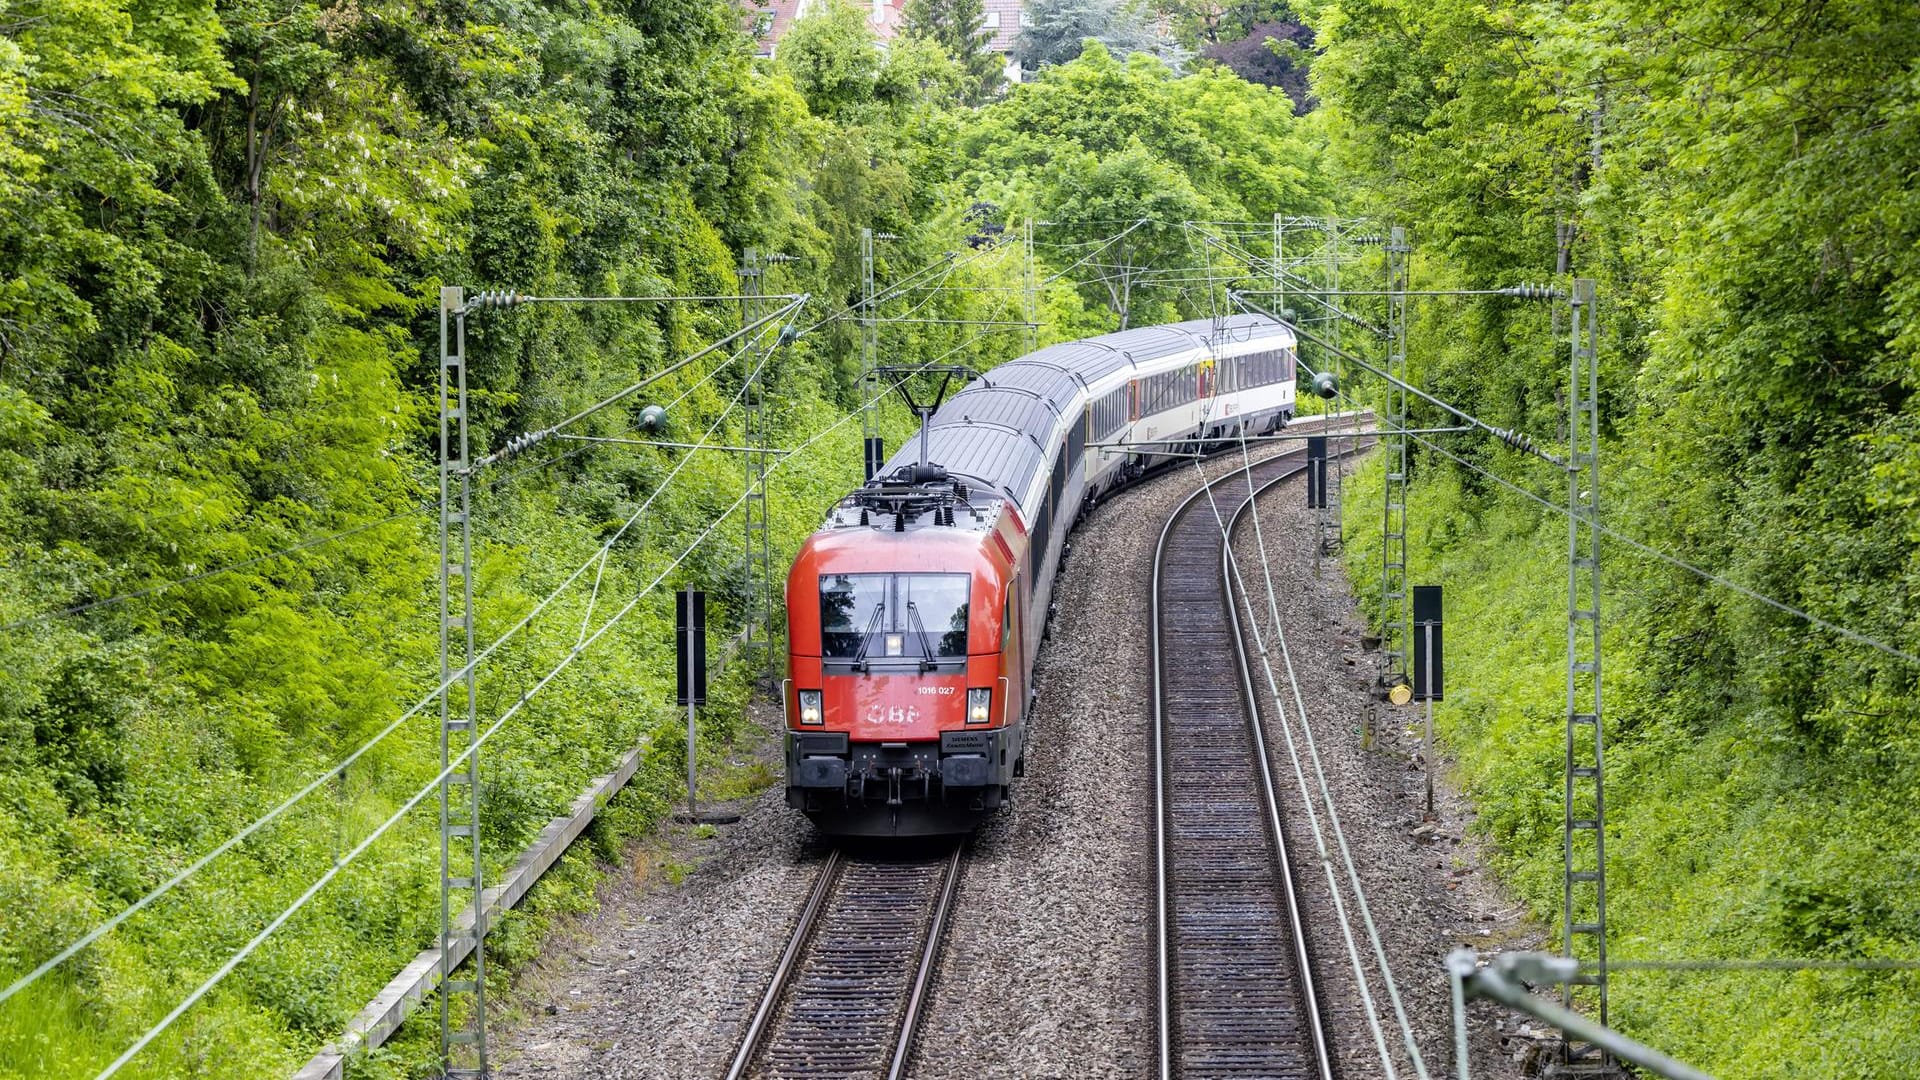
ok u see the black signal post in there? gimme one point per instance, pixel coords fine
(1426, 666)
(1317, 472)
(690, 676)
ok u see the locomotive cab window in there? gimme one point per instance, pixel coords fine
(879, 617)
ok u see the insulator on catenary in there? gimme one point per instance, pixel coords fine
(1527, 291)
(519, 443)
(1515, 439)
(497, 298)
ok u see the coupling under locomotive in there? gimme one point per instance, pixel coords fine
(915, 612)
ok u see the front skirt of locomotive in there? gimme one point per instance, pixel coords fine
(899, 789)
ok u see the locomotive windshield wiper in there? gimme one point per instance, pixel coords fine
(926, 646)
(866, 637)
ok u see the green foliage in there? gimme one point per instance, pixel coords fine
(1057, 30)
(959, 27)
(226, 228)
(1098, 144)
(833, 58)
(1734, 177)
(1200, 23)
(1730, 834)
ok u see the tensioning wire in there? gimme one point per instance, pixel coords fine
(340, 767)
(748, 332)
(1675, 561)
(905, 284)
(457, 763)
(1333, 814)
(1108, 242)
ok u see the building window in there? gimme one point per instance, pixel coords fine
(993, 20)
(1026, 19)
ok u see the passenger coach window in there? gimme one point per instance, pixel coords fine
(877, 616)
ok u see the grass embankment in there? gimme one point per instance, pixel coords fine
(1726, 839)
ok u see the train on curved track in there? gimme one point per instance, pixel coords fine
(916, 612)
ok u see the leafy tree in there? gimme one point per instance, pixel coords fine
(1057, 30)
(833, 57)
(959, 27)
(1096, 145)
(1202, 24)
(1736, 177)
(1271, 54)
(921, 76)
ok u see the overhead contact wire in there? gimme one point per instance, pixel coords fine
(458, 762)
(1361, 981)
(291, 801)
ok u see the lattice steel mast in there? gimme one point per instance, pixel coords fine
(463, 1030)
(869, 347)
(1584, 911)
(1030, 290)
(1394, 636)
(756, 438)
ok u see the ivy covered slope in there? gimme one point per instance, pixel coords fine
(224, 228)
(1739, 179)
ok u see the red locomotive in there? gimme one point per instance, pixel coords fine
(914, 615)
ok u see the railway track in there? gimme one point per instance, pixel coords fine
(1236, 985)
(851, 984)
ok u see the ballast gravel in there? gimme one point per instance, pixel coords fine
(661, 980)
(1423, 878)
(1047, 969)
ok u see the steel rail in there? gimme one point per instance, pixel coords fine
(1163, 947)
(1159, 781)
(923, 977)
(757, 1041)
(1163, 979)
(809, 915)
(1308, 990)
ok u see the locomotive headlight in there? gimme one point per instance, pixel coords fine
(979, 705)
(810, 706)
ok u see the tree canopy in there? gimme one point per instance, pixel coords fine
(959, 27)
(1056, 31)
(1737, 179)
